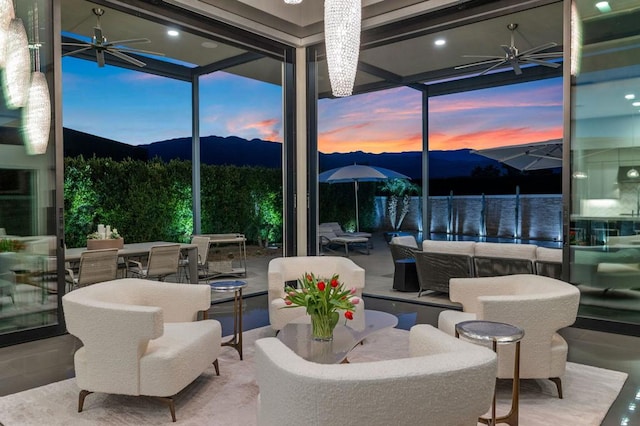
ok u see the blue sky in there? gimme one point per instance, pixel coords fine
(139, 108)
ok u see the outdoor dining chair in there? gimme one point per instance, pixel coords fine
(163, 261)
(95, 266)
(203, 256)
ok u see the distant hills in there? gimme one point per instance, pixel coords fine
(79, 143)
(257, 152)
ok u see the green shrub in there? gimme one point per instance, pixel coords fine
(152, 200)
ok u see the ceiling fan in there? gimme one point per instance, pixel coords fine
(514, 58)
(100, 44)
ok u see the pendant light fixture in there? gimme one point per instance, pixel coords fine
(36, 116)
(16, 75)
(342, 19)
(6, 15)
(342, 22)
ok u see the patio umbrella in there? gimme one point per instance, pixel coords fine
(533, 156)
(358, 173)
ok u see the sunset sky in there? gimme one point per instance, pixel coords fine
(138, 108)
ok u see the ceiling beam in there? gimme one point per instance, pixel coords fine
(389, 76)
(241, 59)
(457, 85)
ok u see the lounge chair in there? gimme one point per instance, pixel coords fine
(337, 228)
(329, 240)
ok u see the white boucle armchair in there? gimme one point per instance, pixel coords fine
(285, 269)
(141, 337)
(445, 381)
(537, 304)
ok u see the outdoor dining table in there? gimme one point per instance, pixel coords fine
(142, 249)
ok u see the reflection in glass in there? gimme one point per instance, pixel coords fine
(605, 148)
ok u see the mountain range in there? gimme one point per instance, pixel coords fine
(238, 151)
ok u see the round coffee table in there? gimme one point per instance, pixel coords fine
(297, 336)
(497, 333)
(236, 287)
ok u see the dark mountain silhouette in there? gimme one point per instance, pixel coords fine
(79, 143)
(442, 164)
(237, 151)
(221, 150)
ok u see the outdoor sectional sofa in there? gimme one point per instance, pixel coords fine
(439, 261)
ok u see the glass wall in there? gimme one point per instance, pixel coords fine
(383, 129)
(605, 159)
(241, 126)
(28, 283)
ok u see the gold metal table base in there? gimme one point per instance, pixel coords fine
(236, 340)
(504, 334)
(512, 417)
(235, 286)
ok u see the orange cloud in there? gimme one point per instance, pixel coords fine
(269, 129)
(492, 138)
(370, 142)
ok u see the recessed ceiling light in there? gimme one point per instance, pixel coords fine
(630, 96)
(209, 45)
(440, 42)
(636, 103)
(603, 6)
(173, 33)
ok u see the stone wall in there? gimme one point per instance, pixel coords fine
(536, 217)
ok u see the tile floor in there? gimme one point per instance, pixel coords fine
(37, 363)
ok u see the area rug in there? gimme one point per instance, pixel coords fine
(230, 399)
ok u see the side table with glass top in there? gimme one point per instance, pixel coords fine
(236, 287)
(497, 333)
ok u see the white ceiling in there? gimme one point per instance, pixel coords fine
(302, 24)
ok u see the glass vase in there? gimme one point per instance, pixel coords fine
(321, 328)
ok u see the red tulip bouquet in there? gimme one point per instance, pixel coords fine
(323, 298)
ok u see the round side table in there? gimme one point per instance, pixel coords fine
(235, 287)
(497, 333)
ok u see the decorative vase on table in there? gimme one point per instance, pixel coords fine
(322, 326)
(322, 298)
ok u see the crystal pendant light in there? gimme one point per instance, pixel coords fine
(6, 15)
(16, 76)
(36, 116)
(342, 39)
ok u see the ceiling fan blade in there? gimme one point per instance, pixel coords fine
(125, 57)
(130, 41)
(132, 50)
(538, 62)
(549, 55)
(538, 48)
(100, 57)
(484, 56)
(73, 52)
(499, 64)
(76, 44)
(516, 67)
(460, 67)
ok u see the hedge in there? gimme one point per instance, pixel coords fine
(151, 200)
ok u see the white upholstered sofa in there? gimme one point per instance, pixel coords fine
(284, 270)
(141, 337)
(537, 304)
(445, 381)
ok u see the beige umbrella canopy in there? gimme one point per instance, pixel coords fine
(358, 173)
(533, 156)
